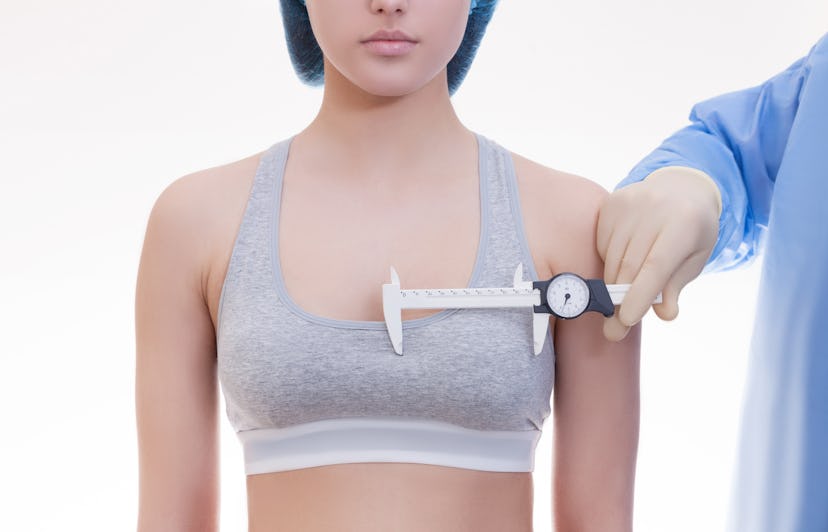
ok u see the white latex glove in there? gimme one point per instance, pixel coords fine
(657, 235)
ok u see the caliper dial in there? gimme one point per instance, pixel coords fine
(567, 295)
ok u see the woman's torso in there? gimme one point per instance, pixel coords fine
(387, 496)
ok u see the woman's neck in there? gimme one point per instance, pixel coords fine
(379, 136)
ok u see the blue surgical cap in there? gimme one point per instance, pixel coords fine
(473, 3)
(306, 55)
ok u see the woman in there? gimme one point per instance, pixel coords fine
(265, 275)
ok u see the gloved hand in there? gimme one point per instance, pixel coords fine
(657, 234)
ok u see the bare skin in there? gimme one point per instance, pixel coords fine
(390, 497)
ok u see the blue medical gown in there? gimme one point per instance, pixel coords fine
(767, 148)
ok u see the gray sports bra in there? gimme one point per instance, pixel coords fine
(303, 390)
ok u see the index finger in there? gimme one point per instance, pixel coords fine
(658, 268)
(642, 294)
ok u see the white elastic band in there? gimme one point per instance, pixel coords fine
(359, 440)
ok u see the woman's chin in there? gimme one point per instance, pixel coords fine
(394, 86)
(389, 88)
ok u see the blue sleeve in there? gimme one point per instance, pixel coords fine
(738, 139)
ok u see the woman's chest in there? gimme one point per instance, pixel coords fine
(473, 368)
(335, 250)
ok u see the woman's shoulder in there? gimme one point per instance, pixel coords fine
(564, 186)
(208, 188)
(199, 213)
(560, 215)
(203, 200)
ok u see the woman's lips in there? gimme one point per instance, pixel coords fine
(389, 43)
(390, 48)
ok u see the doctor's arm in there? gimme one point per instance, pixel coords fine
(701, 200)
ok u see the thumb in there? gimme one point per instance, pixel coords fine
(668, 309)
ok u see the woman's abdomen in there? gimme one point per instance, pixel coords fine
(389, 497)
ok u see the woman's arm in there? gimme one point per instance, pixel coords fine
(175, 379)
(596, 427)
(596, 398)
(596, 381)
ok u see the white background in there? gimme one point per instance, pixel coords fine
(104, 103)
